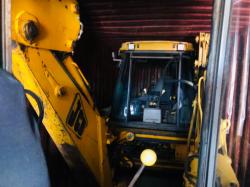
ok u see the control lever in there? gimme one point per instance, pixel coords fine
(148, 158)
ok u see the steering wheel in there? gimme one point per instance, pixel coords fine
(187, 82)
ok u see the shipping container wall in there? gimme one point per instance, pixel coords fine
(95, 59)
(109, 23)
(237, 96)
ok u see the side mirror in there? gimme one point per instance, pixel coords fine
(116, 59)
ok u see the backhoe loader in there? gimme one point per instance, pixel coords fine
(152, 104)
(157, 101)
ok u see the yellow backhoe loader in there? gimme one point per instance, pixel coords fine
(157, 101)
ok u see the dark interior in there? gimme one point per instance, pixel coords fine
(109, 23)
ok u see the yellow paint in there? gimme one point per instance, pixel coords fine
(58, 90)
(38, 63)
(193, 172)
(76, 73)
(224, 168)
(156, 46)
(203, 41)
(192, 123)
(59, 83)
(88, 143)
(22, 18)
(225, 171)
(126, 136)
(51, 120)
(180, 148)
(156, 137)
(58, 23)
(224, 128)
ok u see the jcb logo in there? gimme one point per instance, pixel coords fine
(76, 118)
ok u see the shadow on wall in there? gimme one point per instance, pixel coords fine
(94, 57)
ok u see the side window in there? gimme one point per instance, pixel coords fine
(120, 93)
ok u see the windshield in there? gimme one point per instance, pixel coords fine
(149, 86)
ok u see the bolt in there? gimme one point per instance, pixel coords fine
(30, 31)
(59, 91)
(130, 136)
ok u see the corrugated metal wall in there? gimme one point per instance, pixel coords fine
(109, 23)
(118, 21)
(238, 97)
(238, 145)
(138, 19)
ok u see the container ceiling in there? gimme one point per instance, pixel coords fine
(121, 20)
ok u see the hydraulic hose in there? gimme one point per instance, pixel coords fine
(39, 104)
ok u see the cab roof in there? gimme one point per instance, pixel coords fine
(156, 46)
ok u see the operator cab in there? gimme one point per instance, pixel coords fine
(154, 94)
(155, 86)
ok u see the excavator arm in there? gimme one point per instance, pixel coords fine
(44, 34)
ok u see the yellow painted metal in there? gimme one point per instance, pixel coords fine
(156, 137)
(76, 73)
(203, 40)
(225, 171)
(70, 116)
(192, 124)
(39, 63)
(156, 46)
(180, 148)
(126, 136)
(199, 116)
(177, 143)
(190, 177)
(58, 23)
(53, 123)
(224, 128)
